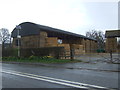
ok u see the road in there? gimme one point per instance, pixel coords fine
(32, 76)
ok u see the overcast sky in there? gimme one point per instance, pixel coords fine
(70, 15)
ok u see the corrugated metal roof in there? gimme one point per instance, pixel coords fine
(29, 28)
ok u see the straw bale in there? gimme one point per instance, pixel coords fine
(66, 46)
(111, 44)
(43, 34)
(51, 41)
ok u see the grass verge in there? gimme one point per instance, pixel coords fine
(39, 60)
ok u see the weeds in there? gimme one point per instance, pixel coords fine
(44, 59)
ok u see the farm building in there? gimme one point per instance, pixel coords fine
(39, 36)
(112, 41)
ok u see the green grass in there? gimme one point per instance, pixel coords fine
(39, 60)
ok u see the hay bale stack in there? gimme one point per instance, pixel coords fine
(51, 41)
(111, 44)
(87, 45)
(78, 49)
(66, 51)
(66, 46)
(43, 36)
(30, 41)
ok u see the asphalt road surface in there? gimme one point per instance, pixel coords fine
(32, 76)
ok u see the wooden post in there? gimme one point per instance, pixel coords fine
(71, 52)
(111, 56)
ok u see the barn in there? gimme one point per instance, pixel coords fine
(112, 40)
(39, 36)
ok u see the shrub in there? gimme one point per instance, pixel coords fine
(100, 51)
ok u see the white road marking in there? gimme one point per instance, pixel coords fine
(58, 80)
(37, 78)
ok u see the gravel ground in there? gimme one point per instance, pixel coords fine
(100, 57)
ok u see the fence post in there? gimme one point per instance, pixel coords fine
(72, 54)
(111, 60)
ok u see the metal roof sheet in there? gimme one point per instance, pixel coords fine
(29, 28)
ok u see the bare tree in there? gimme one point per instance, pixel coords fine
(4, 36)
(99, 36)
